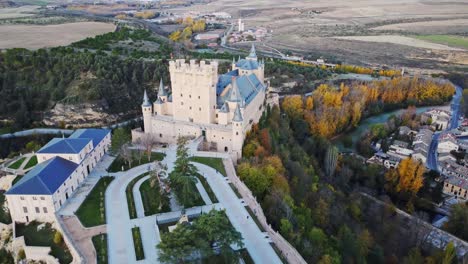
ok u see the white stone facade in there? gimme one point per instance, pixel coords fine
(197, 107)
(26, 206)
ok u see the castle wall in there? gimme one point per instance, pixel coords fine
(194, 91)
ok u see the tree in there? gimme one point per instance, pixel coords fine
(147, 141)
(331, 159)
(207, 234)
(58, 238)
(458, 220)
(293, 106)
(408, 177)
(6, 257)
(21, 254)
(183, 178)
(120, 137)
(126, 154)
(449, 254)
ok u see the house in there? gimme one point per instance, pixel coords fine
(451, 168)
(447, 143)
(219, 108)
(64, 163)
(457, 187)
(437, 118)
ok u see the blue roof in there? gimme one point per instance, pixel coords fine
(45, 178)
(95, 134)
(247, 64)
(224, 80)
(65, 145)
(249, 86)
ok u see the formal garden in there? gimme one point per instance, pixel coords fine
(17, 164)
(44, 235)
(130, 199)
(138, 243)
(100, 245)
(215, 163)
(31, 162)
(155, 200)
(133, 159)
(92, 212)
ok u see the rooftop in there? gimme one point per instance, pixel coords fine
(65, 145)
(44, 178)
(95, 134)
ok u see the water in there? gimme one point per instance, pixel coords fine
(368, 122)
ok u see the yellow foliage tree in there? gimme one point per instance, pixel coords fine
(293, 106)
(175, 36)
(408, 177)
(309, 103)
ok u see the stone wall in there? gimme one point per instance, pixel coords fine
(286, 249)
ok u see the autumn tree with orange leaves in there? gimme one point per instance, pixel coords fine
(408, 177)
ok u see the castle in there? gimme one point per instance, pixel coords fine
(221, 108)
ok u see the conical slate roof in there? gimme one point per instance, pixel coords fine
(146, 101)
(162, 91)
(235, 95)
(237, 115)
(253, 53)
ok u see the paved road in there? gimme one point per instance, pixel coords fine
(256, 242)
(455, 109)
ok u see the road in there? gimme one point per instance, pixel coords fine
(431, 162)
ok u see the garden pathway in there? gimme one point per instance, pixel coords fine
(140, 209)
(256, 242)
(82, 237)
(74, 202)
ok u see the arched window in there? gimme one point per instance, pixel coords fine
(225, 149)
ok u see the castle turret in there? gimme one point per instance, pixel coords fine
(162, 93)
(237, 132)
(147, 111)
(252, 54)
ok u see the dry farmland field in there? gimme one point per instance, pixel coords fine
(360, 31)
(36, 36)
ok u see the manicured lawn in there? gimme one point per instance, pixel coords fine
(31, 162)
(457, 41)
(197, 200)
(153, 201)
(116, 166)
(215, 163)
(254, 217)
(92, 212)
(4, 215)
(16, 179)
(15, 165)
(100, 245)
(208, 189)
(129, 193)
(140, 254)
(44, 238)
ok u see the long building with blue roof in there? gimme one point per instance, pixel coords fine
(201, 102)
(63, 164)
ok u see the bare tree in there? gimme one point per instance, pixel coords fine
(147, 141)
(126, 154)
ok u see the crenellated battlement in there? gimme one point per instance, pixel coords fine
(181, 66)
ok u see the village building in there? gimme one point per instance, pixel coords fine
(220, 108)
(457, 187)
(439, 119)
(447, 143)
(63, 165)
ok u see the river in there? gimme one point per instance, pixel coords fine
(377, 119)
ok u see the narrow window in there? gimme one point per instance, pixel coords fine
(37, 210)
(44, 209)
(42, 198)
(22, 198)
(25, 210)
